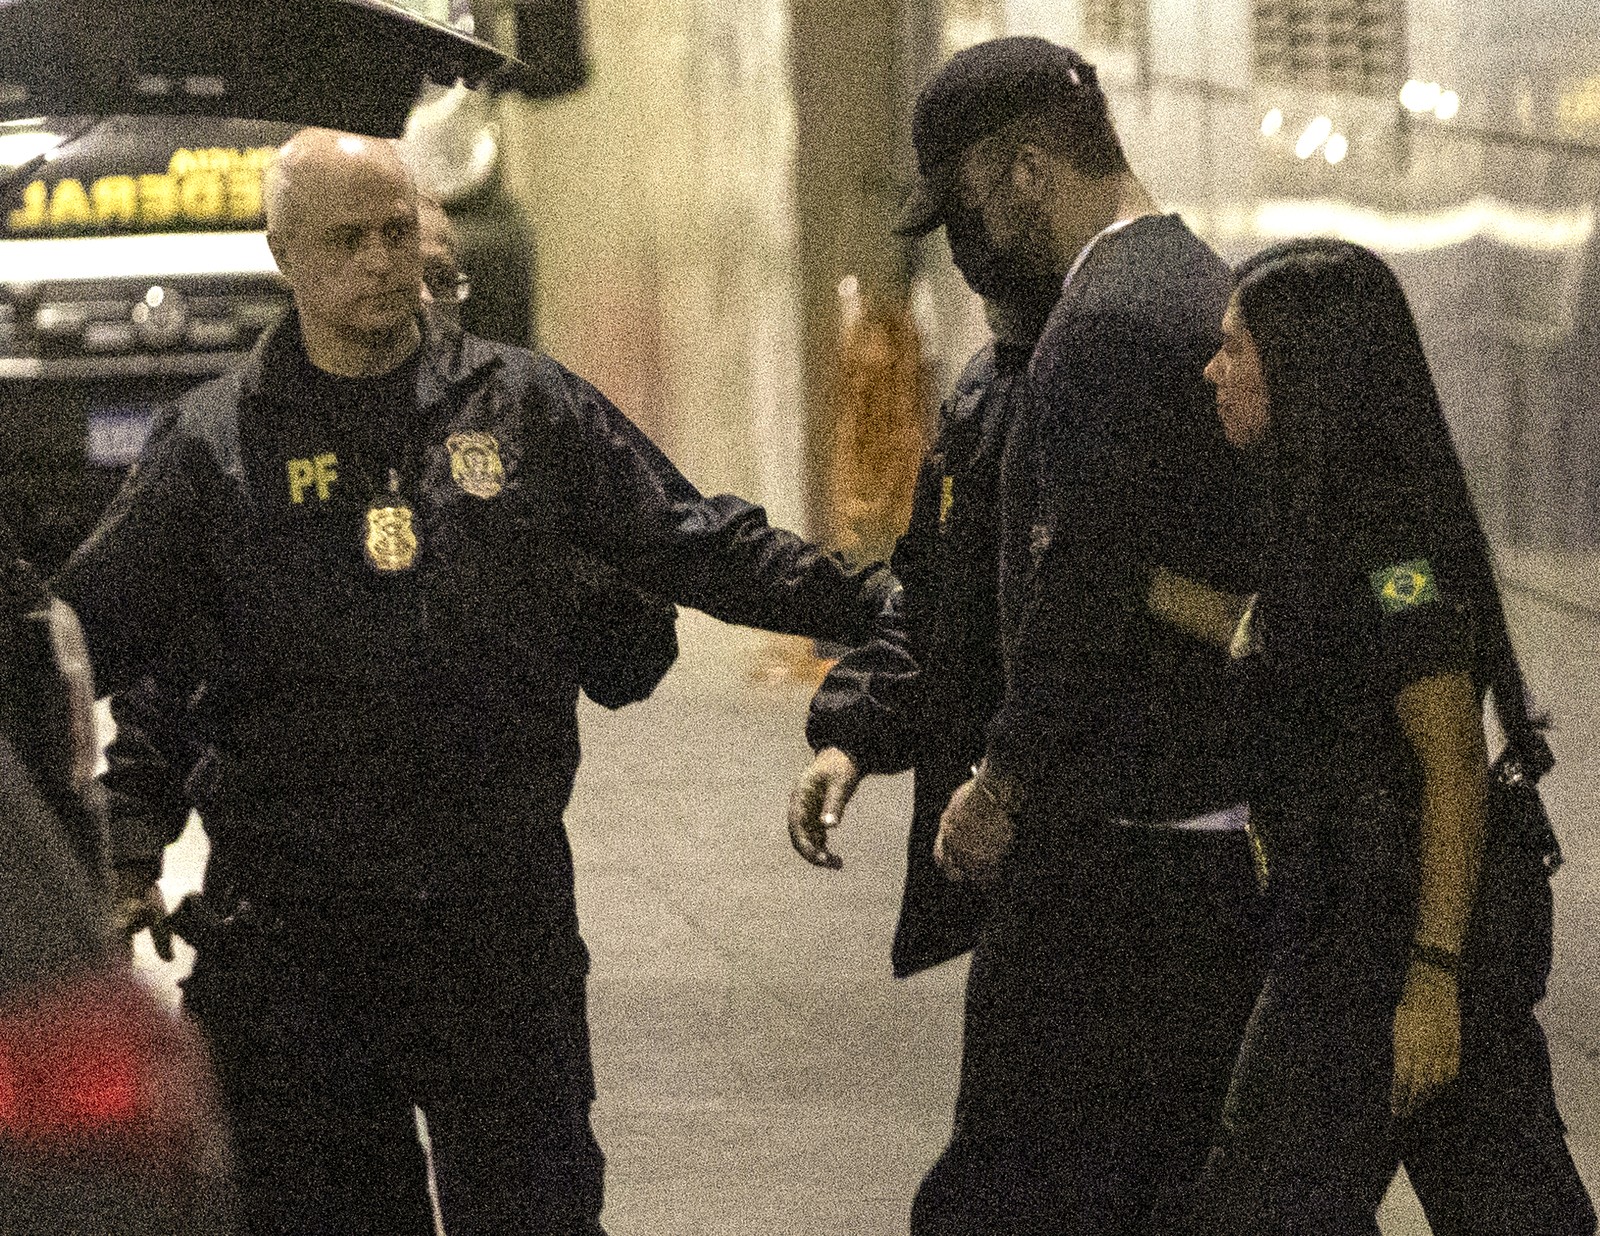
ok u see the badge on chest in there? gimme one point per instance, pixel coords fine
(475, 464)
(391, 536)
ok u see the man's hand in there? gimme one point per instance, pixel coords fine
(975, 835)
(817, 802)
(139, 906)
(1427, 1038)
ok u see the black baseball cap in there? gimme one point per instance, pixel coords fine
(978, 91)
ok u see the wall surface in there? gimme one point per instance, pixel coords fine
(661, 197)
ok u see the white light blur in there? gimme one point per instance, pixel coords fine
(155, 297)
(1338, 146)
(1516, 227)
(17, 148)
(850, 302)
(1272, 123)
(1419, 96)
(961, 32)
(1448, 106)
(1315, 134)
(165, 255)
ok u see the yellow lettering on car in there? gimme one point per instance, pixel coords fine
(200, 196)
(69, 204)
(244, 194)
(204, 186)
(116, 199)
(302, 475)
(327, 474)
(158, 198)
(34, 212)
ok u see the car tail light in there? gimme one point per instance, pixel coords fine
(95, 1067)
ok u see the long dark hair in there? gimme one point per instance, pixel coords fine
(1357, 433)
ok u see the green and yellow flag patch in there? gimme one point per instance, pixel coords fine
(1405, 585)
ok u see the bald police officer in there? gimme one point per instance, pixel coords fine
(358, 539)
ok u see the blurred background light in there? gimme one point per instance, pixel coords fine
(17, 148)
(1419, 96)
(1315, 134)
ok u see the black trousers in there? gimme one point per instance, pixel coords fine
(328, 1022)
(1309, 1146)
(1105, 1006)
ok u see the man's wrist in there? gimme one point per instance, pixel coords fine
(1003, 789)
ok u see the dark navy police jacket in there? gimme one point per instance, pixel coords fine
(413, 731)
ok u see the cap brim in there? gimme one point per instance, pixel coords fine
(925, 210)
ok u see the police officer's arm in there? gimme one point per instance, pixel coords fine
(716, 554)
(143, 574)
(864, 718)
(870, 704)
(1422, 644)
(869, 714)
(1442, 721)
(147, 767)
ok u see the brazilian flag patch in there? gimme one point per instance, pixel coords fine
(1405, 585)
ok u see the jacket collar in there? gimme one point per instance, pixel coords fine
(449, 360)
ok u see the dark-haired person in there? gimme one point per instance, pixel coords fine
(1383, 1031)
(1109, 989)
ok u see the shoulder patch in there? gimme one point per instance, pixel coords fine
(1405, 585)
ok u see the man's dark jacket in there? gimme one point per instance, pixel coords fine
(1119, 467)
(411, 732)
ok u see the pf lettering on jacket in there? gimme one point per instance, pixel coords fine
(320, 472)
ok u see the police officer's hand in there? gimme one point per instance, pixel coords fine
(817, 803)
(139, 906)
(975, 835)
(1427, 1038)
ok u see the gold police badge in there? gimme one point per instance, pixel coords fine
(475, 464)
(391, 540)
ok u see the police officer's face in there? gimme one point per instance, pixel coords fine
(350, 250)
(1241, 384)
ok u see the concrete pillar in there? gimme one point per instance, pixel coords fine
(852, 65)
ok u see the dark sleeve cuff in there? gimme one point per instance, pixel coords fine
(845, 714)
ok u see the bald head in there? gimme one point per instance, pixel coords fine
(316, 162)
(342, 225)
